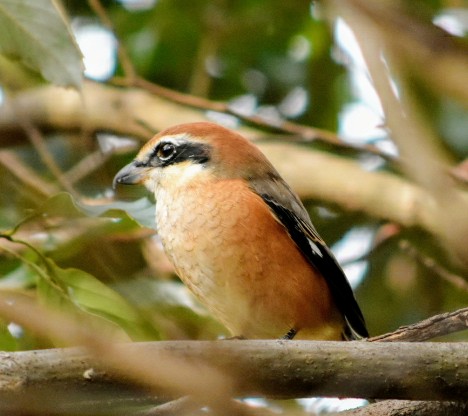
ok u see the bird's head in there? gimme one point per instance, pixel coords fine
(194, 152)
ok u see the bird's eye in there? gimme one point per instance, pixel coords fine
(166, 151)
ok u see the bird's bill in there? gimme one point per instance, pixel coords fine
(130, 175)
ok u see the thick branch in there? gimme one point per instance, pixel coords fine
(286, 369)
(212, 372)
(126, 111)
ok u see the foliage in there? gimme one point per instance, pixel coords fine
(52, 52)
(282, 49)
(72, 243)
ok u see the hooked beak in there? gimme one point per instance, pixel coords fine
(130, 175)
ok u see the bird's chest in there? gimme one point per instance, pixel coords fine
(201, 228)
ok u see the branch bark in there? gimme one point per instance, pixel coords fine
(280, 369)
(430, 328)
(410, 408)
(285, 369)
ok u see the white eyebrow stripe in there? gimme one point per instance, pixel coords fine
(176, 139)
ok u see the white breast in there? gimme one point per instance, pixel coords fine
(196, 230)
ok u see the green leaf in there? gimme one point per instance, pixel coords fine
(65, 288)
(37, 33)
(125, 215)
(64, 205)
(140, 210)
(60, 205)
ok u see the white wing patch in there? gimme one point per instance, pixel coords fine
(315, 248)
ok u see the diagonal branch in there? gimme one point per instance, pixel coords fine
(336, 180)
(306, 133)
(430, 328)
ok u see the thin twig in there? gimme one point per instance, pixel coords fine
(124, 58)
(86, 166)
(435, 326)
(307, 133)
(25, 174)
(429, 263)
(38, 142)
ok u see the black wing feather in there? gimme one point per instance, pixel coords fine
(320, 257)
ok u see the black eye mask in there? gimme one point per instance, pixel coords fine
(169, 153)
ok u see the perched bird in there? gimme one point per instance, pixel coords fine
(240, 238)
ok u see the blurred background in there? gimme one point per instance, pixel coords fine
(377, 93)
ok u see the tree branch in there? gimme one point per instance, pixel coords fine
(306, 133)
(431, 264)
(11, 161)
(409, 408)
(424, 157)
(280, 369)
(430, 328)
(124, 57)
(135, 112)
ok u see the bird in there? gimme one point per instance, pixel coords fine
(240, 238)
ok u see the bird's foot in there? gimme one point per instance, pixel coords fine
(290, 334)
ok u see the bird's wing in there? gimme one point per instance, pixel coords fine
(293, 216)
